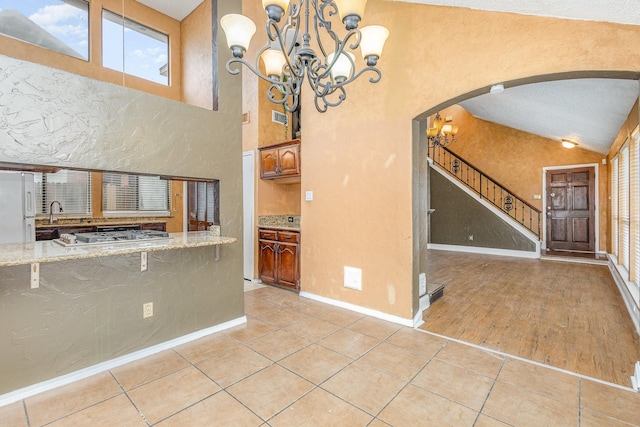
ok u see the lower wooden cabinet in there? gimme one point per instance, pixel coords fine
(279, 257)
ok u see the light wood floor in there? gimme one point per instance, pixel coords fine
(566, 315)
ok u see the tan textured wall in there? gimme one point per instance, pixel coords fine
(357, 158)
(515, 159)
(93, 68)
(196, 49)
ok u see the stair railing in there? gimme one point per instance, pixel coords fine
(487, 188)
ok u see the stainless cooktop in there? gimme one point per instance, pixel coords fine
(104, 237)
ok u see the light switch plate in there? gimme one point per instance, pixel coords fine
(308, 196)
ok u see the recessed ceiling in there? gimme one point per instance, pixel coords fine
(618, 11)
(589, 111)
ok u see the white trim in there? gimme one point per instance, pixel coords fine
(249, 196)
(359, 309)
(423, 305)
(486, 251)
(596, 225)
(522, 359)
(62, 380)
(625, 287)
(506, 218)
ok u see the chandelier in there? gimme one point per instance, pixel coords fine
(289, 58)
(440, 132)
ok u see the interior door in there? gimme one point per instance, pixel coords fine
(571, 209)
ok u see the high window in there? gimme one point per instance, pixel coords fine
(58, 25)
(132, 195)
(134, 48)
(71, 188)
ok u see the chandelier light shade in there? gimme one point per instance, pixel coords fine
(372, 42)
(291, 56)
(274, 61)
(239, 31)
(441, 133)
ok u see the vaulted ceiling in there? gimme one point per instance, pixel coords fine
(590, 111)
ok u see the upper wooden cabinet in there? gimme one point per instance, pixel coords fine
(280, 160)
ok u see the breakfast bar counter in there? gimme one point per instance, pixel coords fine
(44, 251)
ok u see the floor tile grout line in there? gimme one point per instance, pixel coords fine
(413, 378)
(124, 391)
(26, 413)
(486, 399)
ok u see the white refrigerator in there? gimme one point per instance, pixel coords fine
(17, 207)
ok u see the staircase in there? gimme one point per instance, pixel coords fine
(487, 188)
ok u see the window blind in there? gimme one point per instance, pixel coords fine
(128, 194)
(623, 203)
(614, 206)
(69, 187)
(634, 172)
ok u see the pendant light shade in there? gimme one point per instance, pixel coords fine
(343, 67)
(351, 12)
(372, 42)
(275, 8)
(239, 30)
(273, 60)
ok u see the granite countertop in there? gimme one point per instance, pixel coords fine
(292, 227)
(50, 251)
(280, 222)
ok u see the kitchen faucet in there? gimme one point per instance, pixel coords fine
(52, 218)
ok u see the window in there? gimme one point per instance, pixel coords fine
(623, 206)
(58, 25)
(131, 195)
(135, 49)
(69, 187)
(614, 206)
(635, 205)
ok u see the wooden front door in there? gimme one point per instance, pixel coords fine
(571, 209)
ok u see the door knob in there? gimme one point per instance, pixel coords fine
(552, 194)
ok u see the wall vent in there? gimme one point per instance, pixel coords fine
(279, 117)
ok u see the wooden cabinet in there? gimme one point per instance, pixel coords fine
(279, 257)
(280, 160)
(157, 226)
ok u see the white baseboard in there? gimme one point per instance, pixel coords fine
(81, 374)
(359, 309)
(423, 305)
(485, 251)
(624, 289)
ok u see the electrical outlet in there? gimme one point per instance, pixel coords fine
(147, 310)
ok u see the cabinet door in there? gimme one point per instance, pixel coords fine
(289, 158)
(288, 264)
(157, 226)
(267, 261)
(268, 163)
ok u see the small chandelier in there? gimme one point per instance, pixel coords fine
(287, 61)
(440, 132)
